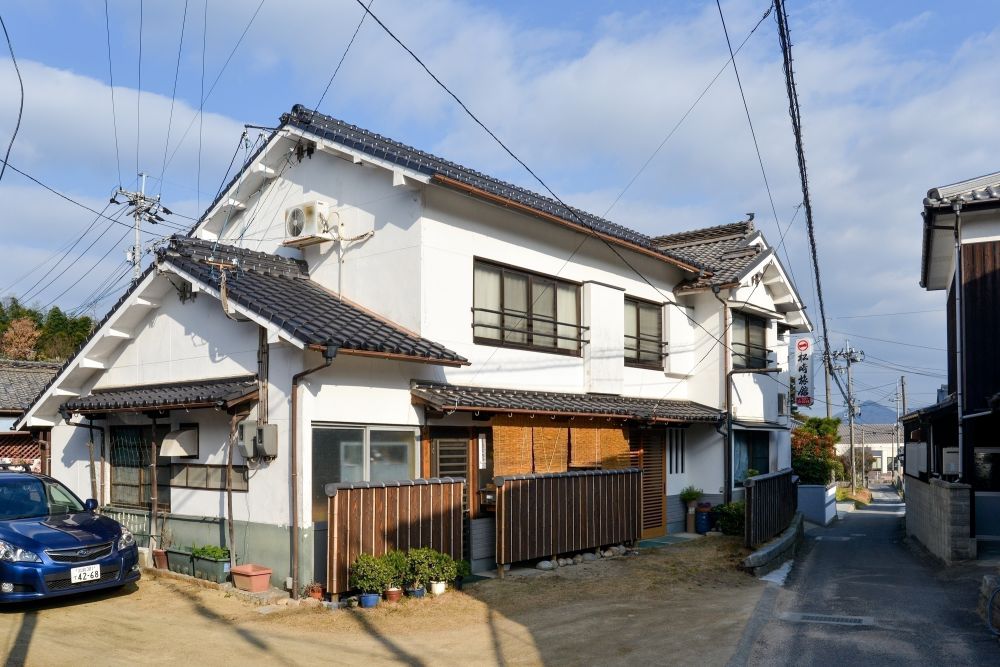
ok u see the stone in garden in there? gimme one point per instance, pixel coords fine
(588, 557)
(545, 565)
(577, 559)
(562, 562)
(609, 553)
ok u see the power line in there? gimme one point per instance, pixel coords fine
(885, 340)
(686, 114)
(344, 55)
(138, 94)
(201, 102)
(89, 269)
(111, 78)
(20, 109)
(173, 94)
(905, 312)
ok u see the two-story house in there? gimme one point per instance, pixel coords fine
(392, 315)
(955, 439)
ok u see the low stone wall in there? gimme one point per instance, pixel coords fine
(938, 516)
(771, 555)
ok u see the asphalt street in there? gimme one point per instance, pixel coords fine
(860, 593)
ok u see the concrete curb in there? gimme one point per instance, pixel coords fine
(771, 555)
(269, 597)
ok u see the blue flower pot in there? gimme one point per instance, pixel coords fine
(415, 592)
(368, 600)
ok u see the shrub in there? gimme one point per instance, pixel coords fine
(210, 552)
(398, 567)
(732, 517)
(370, 574)
(444, 567)
(815, 470)
(691, 494)
(422, 564)
(464, 568)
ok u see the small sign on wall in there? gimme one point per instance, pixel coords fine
(482, 451)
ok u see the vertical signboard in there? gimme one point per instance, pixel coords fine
(801, 368)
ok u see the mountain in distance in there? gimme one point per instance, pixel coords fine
(872, 413)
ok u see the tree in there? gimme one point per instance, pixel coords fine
(814, 455)
(19, 339)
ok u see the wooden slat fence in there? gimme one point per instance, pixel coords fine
(543, 515)
(376, 517)
(771, 502)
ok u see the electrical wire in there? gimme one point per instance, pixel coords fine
(905, 312)
(20, 108)
(111, 79)
(138, 94)
(885, 340)
(100, 286)
(87, 271)
(173, 94)
(343, 56)
(201, 103)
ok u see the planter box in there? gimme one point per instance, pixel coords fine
(212, 569)
(179, 560)
(252, 578)
(818, 503)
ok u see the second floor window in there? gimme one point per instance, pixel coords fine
(749, 341)
(515, 308)
(643, 334)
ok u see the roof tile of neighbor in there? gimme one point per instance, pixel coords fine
(449, 397)
(724, 249)
(386, 149)
(21, 381)
(279, 290)
(867, 433)
(177, 394)
(974, 190)
(18, 445)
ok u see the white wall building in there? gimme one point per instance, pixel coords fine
(429, 301)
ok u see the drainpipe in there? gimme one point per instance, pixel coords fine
(329, 353)
(959, 342)
(727, 455)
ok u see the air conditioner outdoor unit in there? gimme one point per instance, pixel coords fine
(309, 223)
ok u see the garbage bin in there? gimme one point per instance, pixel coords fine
(702, 521)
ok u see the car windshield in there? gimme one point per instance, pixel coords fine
(30, 497)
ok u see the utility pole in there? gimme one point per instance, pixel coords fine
(143, 207)
(826, 370)
(851, 356)
(902, 380)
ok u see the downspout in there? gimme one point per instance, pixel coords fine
(727, 456)
(959, 342)
(329, 353)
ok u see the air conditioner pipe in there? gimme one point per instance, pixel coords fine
(329, 354)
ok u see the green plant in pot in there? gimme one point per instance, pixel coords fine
(462, 571)
(211, 562)
(420, 571)
(398, 566)
(732, 517)
(443, 570)
(370, 575)
(690, 495)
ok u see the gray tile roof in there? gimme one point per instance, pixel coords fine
(867, 433)
(411, 158)
(448, 397)
(202, 393)
(974, 190)
(21, 382)
(724, 249)
(279, 290)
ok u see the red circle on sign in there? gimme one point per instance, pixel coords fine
(802, 345)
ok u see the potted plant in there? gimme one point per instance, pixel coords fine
(420, 571)
(314, 590)
(370, 575)
(252, 578)
(179, 560)
(462, 570)
(211, 563)
(690, 495)
(398, 567)
(443, 570)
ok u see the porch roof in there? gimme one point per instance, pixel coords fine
(181, 395)
(446, 397)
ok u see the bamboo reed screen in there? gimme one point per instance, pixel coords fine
(551, 447)
(604, 446)
(614, 448)
(512, 445)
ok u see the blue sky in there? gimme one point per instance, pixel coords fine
(897, 97)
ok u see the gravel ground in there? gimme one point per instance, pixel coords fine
(684, 605)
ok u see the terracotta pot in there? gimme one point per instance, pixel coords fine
(252, 578)
(393, 594)
(160, 559)
(316, 592)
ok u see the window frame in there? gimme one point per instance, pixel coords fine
(163, 470)
(241, 476)
(749, 360)
(531, 276)
(636, 362)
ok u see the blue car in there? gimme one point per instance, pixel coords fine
(52, 544)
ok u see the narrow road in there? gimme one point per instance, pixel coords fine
(859, 594)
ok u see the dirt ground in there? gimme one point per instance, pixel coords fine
(682, 605)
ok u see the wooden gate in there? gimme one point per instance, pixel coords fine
(649, 456)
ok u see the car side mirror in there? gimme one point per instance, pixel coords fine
(90, 504)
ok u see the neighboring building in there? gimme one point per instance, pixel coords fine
(438, 322)
(881, 441)
(955, 439)
(20, 382)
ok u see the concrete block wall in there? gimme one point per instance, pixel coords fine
(938, 516)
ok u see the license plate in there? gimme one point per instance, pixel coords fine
(81, 575)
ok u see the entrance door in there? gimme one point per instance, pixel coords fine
(648, 455)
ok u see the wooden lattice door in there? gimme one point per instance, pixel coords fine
(648, 455)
